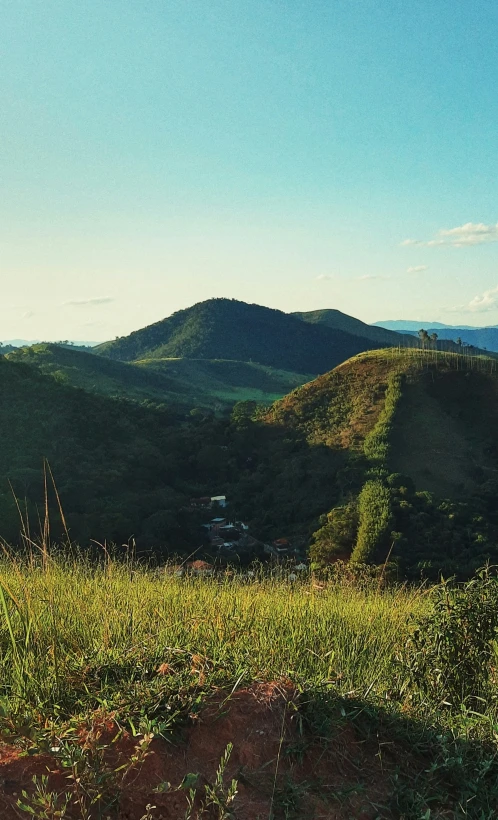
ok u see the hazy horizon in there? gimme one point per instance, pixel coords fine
(20, 341)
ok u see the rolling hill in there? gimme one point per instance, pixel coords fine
(404, 446)
(390, 455)
(97, 375)
(181, 383)
(341, 321)
(226, 381)
(228, 329)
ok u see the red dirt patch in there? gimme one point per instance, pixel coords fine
(272, 760)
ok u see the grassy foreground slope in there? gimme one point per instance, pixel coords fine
(228, 329)
(122, 688)
(181, 383)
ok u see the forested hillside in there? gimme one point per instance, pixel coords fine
(392, 455)
(122, 470)
(341, 321)
(227, 329)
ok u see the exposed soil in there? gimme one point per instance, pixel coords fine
(281, 772)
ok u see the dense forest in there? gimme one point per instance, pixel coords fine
(228, 329)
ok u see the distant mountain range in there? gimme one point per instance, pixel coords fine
(483, 337)
(29, 342)
(409, 324)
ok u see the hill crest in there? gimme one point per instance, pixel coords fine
(230, 329)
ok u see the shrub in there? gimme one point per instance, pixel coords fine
(375, 518)
(376, 445)
(336, 538)
(450, 652)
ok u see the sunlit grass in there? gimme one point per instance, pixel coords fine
(77, 634)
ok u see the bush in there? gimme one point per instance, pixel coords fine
(449, 655)
(337, 536)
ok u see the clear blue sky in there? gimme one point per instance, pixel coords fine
(296, 154)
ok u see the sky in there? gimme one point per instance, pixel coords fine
(301, 155)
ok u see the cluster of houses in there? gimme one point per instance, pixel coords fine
(231, 537)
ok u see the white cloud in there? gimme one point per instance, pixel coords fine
(481, 303)
(486, 301)
(324, 277)
(472, 233)
(28, 315)
(417, 268)
(97, 300)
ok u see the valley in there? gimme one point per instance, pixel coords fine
(130, 441)
(194, 546)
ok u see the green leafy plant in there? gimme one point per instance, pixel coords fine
(449, 655)
(218, 798)
(219, 795)
(43, 803)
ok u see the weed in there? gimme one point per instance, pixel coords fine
(44, 804)
(217, 800)
(220, 796)
(448, 657)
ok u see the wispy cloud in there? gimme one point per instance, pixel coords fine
(472, 233)
(482, 303)
(324, 277)
(417, 268)
(96, 300)
(28, 315)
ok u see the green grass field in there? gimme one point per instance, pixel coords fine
(81, 618)
(78, 639)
